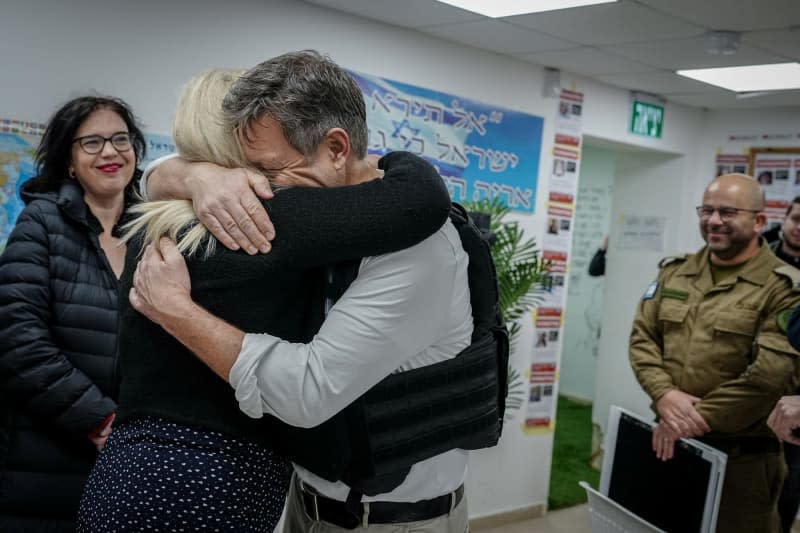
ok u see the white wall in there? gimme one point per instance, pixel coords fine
(143, 51)
(644, 185)
(607, 118)
(585, 295)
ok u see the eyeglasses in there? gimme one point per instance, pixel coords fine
(94, 144)
(726, 214)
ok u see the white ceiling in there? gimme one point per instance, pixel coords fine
(633, 44)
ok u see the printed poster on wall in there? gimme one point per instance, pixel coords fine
(156, 146)
(643, 233)
(18, 143)
(570, 112)
(541, 398)
(560, 214)
(543, 373)
(555, 295)
(556, 248)
(779, 176)
(564, 176)
(482, 151)
(731, 164)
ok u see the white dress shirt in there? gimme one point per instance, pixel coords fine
(404, 310)
(146, 174)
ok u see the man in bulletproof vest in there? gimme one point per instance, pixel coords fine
(709, 347)
(408, 369)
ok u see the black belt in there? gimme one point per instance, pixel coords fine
(333, 511)
(744, 446)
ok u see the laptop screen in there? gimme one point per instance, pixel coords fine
(669, 494)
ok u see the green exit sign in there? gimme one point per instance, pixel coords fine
(647, 119)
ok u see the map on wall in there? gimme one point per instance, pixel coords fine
(18, 143)
(482, 151)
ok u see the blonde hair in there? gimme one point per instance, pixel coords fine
(200, 133)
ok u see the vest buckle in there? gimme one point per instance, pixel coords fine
(310, 501)
(316, 508)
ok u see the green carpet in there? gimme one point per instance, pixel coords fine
(572, 447)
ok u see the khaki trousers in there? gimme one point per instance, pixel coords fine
(750, 493)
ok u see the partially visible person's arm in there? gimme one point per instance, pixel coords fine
(319, 226)
(785, 419)
(793, 329)
(390, 313)
(646, 355)
(739, 403)
(151, 166)
(34, 372)
(227, 201)
(322, 226)
(162, 292)
(597, 266)
(646, 345)
(663, 441)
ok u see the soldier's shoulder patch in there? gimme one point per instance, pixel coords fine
(672, 259)
(782, 318)
(651, 291)
(790, 273)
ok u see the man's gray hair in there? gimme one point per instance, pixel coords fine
(307, 94)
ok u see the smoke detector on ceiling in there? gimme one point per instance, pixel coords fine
(722, 42)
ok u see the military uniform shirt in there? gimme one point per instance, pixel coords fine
(723, 342)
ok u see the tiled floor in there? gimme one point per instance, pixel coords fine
(570, 520)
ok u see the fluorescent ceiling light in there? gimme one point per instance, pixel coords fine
(509, 8)
(777, 77)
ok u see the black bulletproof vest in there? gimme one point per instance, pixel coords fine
(414, 415)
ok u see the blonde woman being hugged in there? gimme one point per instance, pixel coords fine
(182, 455)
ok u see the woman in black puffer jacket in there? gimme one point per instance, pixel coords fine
(58, 313)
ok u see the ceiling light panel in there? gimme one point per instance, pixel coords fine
(777, 77)
(510, 8)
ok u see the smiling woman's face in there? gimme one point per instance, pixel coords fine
(106, 174)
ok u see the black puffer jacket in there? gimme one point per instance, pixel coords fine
(58, 344)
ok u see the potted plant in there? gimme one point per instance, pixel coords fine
(522, 278)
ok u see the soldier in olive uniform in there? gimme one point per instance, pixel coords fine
(709, 346)
(784, 241)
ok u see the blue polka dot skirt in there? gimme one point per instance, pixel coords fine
(155, 475)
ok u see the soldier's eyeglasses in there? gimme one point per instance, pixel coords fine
(94, 144)
(726, 214)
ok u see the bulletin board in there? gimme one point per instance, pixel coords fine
(778, 172)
